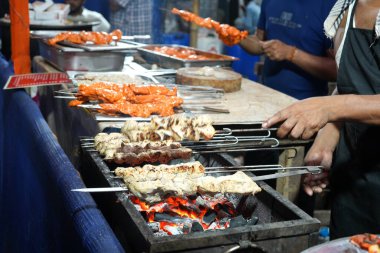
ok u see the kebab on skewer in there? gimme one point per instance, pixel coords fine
(83, 37)
(129, 99)
(175, 127)
(153, 183)
(228, 34)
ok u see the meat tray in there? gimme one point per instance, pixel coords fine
(76, 59)
(167, 61)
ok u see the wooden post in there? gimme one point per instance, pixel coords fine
(194, 27)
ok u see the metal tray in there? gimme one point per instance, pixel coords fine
(76, 59)
(167, 61)
(112, 47)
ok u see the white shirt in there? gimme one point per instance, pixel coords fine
(91, 16)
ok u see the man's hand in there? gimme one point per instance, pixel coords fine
(302, 119)
(321, 154)
(277, 50)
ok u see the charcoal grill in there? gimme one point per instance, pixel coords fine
(282, 226)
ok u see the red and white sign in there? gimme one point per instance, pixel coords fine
(37, 79)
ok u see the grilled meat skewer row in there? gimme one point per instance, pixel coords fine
(153, 183)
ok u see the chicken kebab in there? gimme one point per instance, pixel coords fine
(155, 141)
(83, 37)
(228, 34)
(154, 183)
(136, 101)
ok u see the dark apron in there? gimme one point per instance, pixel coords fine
(355, 175)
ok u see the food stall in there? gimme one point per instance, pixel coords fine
(119, 221)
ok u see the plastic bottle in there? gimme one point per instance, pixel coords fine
(324, 234)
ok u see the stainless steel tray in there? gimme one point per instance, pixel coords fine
(76, 59)
(167, 61)
(121, 45)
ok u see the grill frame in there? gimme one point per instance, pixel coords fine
(296, 233)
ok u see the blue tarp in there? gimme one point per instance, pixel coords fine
(38, 211)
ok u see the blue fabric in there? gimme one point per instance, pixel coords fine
(252, 17)
(38, 211)
(298, 23)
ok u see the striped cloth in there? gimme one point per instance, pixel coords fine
(332, 22)
(133, 18)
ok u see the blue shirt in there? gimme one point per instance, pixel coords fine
(297, 23)
(252, 17)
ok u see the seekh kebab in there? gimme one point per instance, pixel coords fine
(153, 183)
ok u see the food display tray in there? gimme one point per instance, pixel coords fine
(76, 59)
(166, 61)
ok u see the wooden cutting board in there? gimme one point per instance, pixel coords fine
(215, 77)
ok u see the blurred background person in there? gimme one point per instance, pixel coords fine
(132, 17)
(298, 60)
(78, 13)
(251, 13)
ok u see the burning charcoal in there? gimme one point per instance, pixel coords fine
(209, 217)
(200, 201)
(223, 221)
(160, 234)
(235, 199)
(154, 226)
(196, 227)
(186, 228)
(248, 206)
(222, 214)
(238, 221)
(226, 207)
(170, 218)
(253, 220)
(173, 230)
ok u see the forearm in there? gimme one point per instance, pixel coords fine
(358, 108)
(321, 67)
(328, 136)
(252, 43)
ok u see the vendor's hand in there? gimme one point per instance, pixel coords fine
(317, 156)
(321, 154)
(277, 50)
(302, 119)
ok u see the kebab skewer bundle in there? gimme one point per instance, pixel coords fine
(153, 183)
(136, 101)
(228, 34)
(155, 141)
(83, 37)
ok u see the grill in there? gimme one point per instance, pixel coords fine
(281, 226)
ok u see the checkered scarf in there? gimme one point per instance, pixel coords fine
(336, 15)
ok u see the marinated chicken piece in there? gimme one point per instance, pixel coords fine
(127, 99)
(228, 34)
(99, 38)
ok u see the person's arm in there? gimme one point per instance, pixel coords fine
(304, 118)
(252, 43)
(323, 67)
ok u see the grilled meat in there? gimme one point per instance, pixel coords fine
(154, 183)
(228, 34)
(116, 147)
(176, 127)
